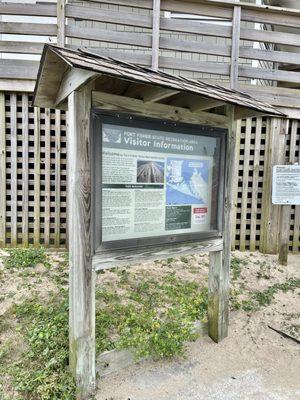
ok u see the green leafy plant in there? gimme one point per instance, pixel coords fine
(25, 258)
(42, 372)
(236, 267)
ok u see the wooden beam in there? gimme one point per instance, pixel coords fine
(242, 112)
(218, 292)
(25, 169)
(108, 259)
(235, 45)
(37, 176)
(72, 80)
(203, 104)
(108, 101)
(153, 94)
(82, 277)
(17, 85)
(14, 173)
(155, 34)
(195, 103)
(61, 22)
(274, 155)
(2, 171)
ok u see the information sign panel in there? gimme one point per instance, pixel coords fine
(286, 184)
(158, 183)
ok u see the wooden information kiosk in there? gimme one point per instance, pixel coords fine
(150, 175)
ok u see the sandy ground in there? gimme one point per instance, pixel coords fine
(253, 363)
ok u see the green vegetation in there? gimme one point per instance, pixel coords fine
(152, 311)
(236, 266)
(264, 271)
(154, 318)
(257, 299)
(25, 258)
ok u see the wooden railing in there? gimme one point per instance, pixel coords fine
(221, 50)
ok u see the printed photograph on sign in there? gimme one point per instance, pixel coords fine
(157, 182)
(150, 171)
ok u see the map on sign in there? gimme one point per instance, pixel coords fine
(187, 181)
(286, 185)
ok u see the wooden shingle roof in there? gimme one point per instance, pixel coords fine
(56, 60)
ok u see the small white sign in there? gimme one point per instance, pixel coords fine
(286, 184)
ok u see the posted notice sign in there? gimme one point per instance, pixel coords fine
(286, 185)
(155, 183)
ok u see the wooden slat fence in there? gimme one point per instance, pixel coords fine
(132, 31)
(33, 178)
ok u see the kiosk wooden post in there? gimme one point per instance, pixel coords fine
(219, 263)
(82, 284)
(64, 81)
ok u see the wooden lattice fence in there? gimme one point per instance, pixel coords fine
(33, 177)
(33, 173)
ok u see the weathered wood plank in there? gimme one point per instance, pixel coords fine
(61, 22)
(37, 173)
(17, 85)
(235, 43)
(109, 16)
(47, 172)
(40, 10)
(2, 171)
(155, 34)
(73, 79)
(82, 279)
(18, 69)
(26, 28)
(270, 55)
(57, 177)
(13, 177)
(274, 155)
(162, 111)
(25, 166)
(7, 46)
(255, 35)
(284, 234)
(216, 308)
(114, 258)
(293, 159)
(245, 186)
(269, 74)
(235, 185)
(254, 194)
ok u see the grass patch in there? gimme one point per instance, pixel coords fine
(25, 258)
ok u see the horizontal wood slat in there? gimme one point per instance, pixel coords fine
(24, 28)
(40, 10)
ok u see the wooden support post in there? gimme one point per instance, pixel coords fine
(14, 171)
(284, 234)
(219, 269)
(61, 22)
(274, 155)
(155, 34)
(2, 171)
(25, 174)
(285, 212)
(37, 177)
(82, 284)
(235, 45)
